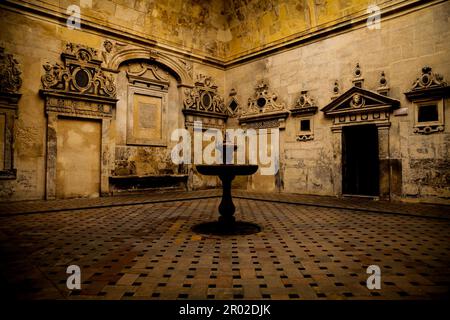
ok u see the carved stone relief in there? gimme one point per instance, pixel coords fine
(358, 106)
(428, 94)
(10, 83)
(263, 106)
(115, 53)
(203, 103)
(10, 80)
(77, 88)
(233, 106)
(305, 107)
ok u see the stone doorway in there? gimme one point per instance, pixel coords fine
(360, 160)
(78, 158)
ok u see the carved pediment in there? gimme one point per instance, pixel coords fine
(358, 100)
(304, 105)
(80, 73)
(148, 75)
(204, 99)
(78, 86)
(115, 53)
(263, 106)
(428, 85)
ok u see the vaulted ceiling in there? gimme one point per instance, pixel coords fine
(218, 29)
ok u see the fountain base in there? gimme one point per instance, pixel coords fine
(226, 228)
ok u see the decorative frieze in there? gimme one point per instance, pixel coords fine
(428, 80)
(77, 108)
(272, 123)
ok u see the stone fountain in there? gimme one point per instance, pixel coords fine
(227, 223)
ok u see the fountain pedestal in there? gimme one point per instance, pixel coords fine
(226, 173)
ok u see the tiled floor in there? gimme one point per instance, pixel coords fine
(128, 250)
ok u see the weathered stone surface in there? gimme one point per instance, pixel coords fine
(416, 165)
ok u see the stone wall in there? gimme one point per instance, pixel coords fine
(193, 25)
(418, 164)
(256, 24)
(402, 46)
(33, 42)
(217, 29)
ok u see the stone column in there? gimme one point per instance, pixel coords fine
(279, 177)
(105, 156)
(8, 147)
(384, 160)
(337, 160)
(50, 183)
(226, 207)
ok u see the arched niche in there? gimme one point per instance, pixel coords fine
(115, 54)
(148, 110)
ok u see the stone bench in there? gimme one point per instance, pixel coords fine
(132, 183)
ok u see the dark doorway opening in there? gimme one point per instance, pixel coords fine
(360, 163)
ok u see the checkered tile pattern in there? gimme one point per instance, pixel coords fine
(148, 251)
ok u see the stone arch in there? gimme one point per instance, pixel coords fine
(180, 69)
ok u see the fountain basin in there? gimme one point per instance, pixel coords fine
(226, 169)
(227, 223)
